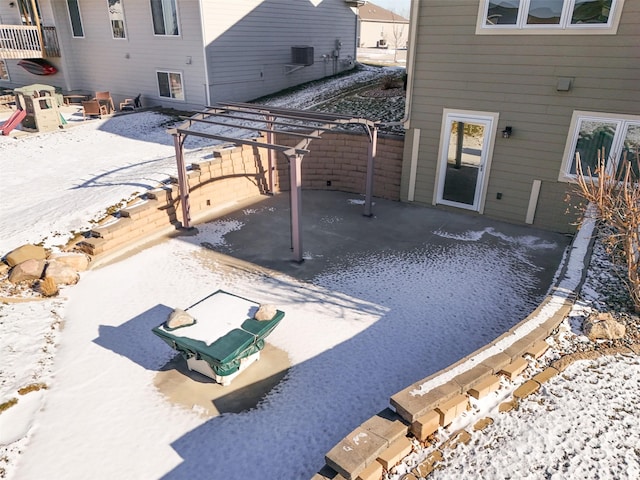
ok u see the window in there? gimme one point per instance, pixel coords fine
(116, 16)
(549, 16)
(4, 73)
(170, 85)
(615, 138)
(165, 17)
(76, 19)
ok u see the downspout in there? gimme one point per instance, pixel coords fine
(411, 60)
(207, 89)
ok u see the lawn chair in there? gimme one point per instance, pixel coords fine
(91, 108)
(104, 98)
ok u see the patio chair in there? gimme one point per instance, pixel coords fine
(92, 108)
(130, 104)
(104, 98)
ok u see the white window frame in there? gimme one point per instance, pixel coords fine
(153, 29)
(124, 22)
(568, 158)
(169, 72)
(73, 34)
(6, 70)
(563, 28)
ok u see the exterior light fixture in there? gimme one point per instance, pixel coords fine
(506, 133)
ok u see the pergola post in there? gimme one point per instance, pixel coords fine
(295, 179)
(183, 184)
(373, 148)
(270, 154)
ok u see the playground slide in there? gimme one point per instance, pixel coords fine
(13, 121)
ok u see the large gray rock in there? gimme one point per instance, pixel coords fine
(25, 252)
(28, 270)
(77, 260)
(61, 273)
(603, 327)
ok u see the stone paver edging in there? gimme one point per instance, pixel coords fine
(421, 409)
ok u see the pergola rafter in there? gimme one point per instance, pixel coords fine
(300, 123)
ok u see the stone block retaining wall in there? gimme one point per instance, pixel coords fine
(238, 174)
(419, 410)
(341, 159)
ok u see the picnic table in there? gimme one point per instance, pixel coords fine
(225, 338)
(75, 98)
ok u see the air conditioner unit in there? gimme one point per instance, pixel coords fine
(302, 55)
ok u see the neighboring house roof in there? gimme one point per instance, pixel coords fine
(373, 13)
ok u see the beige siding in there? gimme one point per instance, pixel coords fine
(396, 34)
(516, 76)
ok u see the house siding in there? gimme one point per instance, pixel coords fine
(127, 67)
(248, 44)
(395, 34)
(516, 76)
(243, 53)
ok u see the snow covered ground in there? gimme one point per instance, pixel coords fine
(92, 409)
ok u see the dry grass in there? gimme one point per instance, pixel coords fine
(34, 387)
(8, 404)
(48, 287)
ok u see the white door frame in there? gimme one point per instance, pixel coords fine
(490, 120)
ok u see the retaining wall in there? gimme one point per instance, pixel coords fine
(237, 175)
(419, 410)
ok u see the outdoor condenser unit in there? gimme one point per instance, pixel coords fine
(302, 55)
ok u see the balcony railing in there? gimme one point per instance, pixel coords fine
(24, 41)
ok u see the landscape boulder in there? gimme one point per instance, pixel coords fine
(603, 327)
(179, 318)
(61, 273)
(265, 312)
(77, 260)
(25, 252)
(28, 270)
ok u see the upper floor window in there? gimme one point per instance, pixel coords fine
(4, 73)
(170, 85)
(116, 16)
(75, 18)
(165, 17)
(549, 16)
(595, 137)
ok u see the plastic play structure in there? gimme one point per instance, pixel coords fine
(37, 110)
(224, 339)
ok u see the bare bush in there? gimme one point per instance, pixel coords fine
(616, 198)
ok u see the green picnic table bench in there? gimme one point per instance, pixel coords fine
(225, 338)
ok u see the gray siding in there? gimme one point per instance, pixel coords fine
(248, 44)
(126, 67)
(516, 76)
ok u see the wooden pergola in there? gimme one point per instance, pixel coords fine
(268, 121)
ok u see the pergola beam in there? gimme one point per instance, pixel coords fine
(280, 148)
(246, 127)
(316, 122)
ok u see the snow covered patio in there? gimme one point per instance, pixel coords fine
(378, 304)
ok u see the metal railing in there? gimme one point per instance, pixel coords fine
(24, 41)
